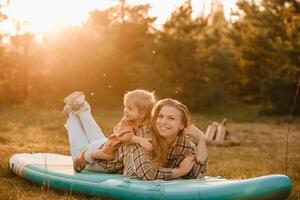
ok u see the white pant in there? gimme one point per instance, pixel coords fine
(84, 133)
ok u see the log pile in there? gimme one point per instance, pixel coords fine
(216, 134)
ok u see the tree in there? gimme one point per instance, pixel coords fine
(100, 58)
(215, 52)
(131, 39)
(194, 58)
(15, 64)
(267, 39)
(175, 70)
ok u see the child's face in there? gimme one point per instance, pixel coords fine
(131, 112)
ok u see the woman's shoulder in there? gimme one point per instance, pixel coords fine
(185, 141)
(185, 144)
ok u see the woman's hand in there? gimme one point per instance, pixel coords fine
(201, 150)
(194, 131)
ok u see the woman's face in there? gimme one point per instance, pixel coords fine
(169, 122)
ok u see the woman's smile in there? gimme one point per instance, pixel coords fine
(163, 128)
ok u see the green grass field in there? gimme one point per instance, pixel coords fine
(40, 129)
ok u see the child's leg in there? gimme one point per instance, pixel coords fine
(90, 126)
(92, 147)
(77, 137)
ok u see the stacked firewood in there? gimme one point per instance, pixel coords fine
(216, 134)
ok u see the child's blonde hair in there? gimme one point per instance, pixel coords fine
(143, 100)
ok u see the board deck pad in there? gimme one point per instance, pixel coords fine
(56, 171)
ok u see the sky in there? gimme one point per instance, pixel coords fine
(163, 8)
(47, 15)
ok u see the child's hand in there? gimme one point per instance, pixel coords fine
(111, 145)
(123, 131)
(125, 137)
(146, 143)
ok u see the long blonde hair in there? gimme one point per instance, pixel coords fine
(160, 144)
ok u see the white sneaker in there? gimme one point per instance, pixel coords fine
(82, 107)
(77, 101)
(70, 97)
(74, 102)
(67, 109)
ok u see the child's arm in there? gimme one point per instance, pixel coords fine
(130, 138)
(101, 155)
(125, 133)
(107, 152)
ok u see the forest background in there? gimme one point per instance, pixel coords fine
(245, 68)
(203, 61)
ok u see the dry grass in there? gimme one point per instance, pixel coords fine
(36, 129)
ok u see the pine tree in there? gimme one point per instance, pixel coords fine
(267, 39)
(176, 56)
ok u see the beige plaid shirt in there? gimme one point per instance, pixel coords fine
(134, 160)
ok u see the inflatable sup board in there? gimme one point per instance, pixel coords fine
(56, 171)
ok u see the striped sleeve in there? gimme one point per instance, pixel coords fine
(199, 169)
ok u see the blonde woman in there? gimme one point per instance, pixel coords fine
(173, 155)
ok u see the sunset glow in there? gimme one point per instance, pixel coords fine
(39, 16)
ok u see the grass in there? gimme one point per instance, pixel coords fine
(40, 129)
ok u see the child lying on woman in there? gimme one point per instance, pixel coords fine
(137, 111)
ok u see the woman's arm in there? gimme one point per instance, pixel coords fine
(200, 167)
(201, 150)
(139, 163)
(184, 167)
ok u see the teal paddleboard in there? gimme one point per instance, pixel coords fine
(56, 171)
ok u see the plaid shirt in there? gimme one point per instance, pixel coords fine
(134, 160)
(139, 161)
(116, 165)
